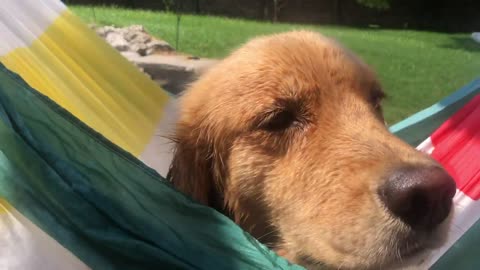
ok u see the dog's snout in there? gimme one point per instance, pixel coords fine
(420, 196)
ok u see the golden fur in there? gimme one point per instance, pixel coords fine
(287, 137)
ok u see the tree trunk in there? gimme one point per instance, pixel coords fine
(264, 10)
(197, 6)
(275, 11)
(337, 11)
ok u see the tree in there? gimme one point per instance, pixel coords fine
(337, 11)
(277, 6)
(376, 4)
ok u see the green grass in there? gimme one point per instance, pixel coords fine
(416, 68)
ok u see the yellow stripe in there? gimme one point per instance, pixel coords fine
(4, 206)
(74, 67)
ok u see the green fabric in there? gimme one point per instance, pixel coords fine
(102, 204)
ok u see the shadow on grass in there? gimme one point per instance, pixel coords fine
(465, 43)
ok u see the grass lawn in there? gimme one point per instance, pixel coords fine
(416, 68)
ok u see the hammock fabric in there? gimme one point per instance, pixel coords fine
(73, 200)
(456, 145)
(58, 55)
(82, 159)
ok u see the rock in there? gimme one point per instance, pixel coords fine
(136, 28)
(139, 48)
(141, 38)
(129, 36)
(117, 41)
(156, 46)
(104, 31)
(136, 33)
(134, 39)
(154, 57)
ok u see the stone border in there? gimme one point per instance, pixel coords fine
(155, 57)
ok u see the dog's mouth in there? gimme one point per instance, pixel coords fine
(411, 255)
(411, 249)
(414, 249)
(407, 251)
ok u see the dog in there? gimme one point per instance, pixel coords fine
(286, 136)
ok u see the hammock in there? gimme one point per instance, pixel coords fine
(82, 160)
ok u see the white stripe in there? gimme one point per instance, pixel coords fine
(24, 246)
(158, 153)
(23, 21)
(426, 146)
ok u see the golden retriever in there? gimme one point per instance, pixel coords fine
(286, 136)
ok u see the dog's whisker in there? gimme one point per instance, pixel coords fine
(267, 234)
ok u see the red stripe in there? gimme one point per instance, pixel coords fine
(457, 147)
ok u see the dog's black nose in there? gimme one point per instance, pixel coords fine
(419, 196)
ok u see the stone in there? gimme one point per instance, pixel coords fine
(139, 48)
(136, 28)
(133, 39)
(140, 38)
(135, 33)
(130, 35)
(156, 46)
(104, 31)
(117, 41)
(154, 57)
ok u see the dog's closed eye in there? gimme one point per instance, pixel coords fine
(278, 120)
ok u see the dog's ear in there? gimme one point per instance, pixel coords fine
(193, 168)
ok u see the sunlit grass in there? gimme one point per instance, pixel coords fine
(416, 68)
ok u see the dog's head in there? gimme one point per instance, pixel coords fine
(287, 136)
